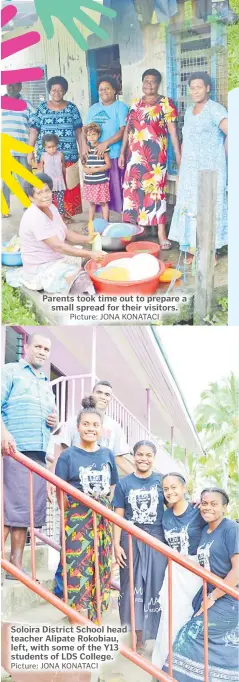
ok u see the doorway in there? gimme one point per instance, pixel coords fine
(102, 61)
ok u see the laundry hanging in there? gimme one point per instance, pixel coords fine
(144, 10)
(125, 30)
(203, 9)
(165, 9)
(156, 11)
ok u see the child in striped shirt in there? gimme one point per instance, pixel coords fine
(96, 180)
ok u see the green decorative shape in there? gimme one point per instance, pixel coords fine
(67, 13)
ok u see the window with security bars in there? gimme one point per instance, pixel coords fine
(200, 48)
(36, 91)
(15, 340)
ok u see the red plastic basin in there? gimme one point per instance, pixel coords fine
(144, 247)
(103, 286)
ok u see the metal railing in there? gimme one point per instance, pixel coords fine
(70, 390)
(133, 531)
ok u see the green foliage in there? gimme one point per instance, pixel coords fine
(14, 311)
(223, 303)
(233, 50)
(217, 422)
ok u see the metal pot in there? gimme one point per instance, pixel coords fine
(120, 243)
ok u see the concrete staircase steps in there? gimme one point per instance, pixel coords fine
(41, 554)
(18, 598)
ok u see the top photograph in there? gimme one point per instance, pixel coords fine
(115, 170)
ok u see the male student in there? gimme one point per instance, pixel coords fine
(112, 434)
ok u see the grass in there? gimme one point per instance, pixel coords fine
(13, 308)
(233, 51)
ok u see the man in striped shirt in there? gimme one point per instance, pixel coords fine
(28, 417)
(16, 124)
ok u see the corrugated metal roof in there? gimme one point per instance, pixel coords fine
(25, 17)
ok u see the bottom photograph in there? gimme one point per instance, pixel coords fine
(119, 517)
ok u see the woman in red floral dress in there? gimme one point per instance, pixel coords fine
(150, 120)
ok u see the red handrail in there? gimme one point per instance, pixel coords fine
(126, 525)
(132, 530)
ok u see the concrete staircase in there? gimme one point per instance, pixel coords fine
(21, 605)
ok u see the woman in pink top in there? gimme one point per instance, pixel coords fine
(53, 164)
(47, 243)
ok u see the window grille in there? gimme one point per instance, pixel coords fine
(36, 91)
(15, 340)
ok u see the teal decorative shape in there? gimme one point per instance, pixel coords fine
(67, 12)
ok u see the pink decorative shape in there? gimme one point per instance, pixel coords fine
(13, 104)
(7, 14)
(9, 47)
(21, 75)
(14, 45)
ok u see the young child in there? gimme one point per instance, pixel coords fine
(52, 163)
(96, 181)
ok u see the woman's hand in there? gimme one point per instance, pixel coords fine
(120, 556)
(31, 159)
(209, 603)
(84, 150)
(98, 256)
(121, 161)
(87, 239)
(101, 149)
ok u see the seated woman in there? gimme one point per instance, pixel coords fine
(46, 243)
(92, 470)
(218, 552)
(182, 524)
(139, 498)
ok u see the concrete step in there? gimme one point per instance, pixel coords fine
(16, 597)
(41, 553)
(42, 614)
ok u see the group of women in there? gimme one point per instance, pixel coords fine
(203, 534)
(138, 141)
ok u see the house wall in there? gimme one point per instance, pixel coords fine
(62, 56)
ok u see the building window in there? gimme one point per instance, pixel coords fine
(200, 48)
(36, 91)
(15, 340)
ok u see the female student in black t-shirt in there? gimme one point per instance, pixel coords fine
(182, 525)
(139, 499)
(218, 551)
(92, 470)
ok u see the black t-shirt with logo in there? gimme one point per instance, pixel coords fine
(91, 472)
(142, 500)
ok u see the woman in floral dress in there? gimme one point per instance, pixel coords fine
(150, 120)
(59, 117)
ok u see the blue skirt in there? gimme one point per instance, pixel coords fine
(188, 649)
